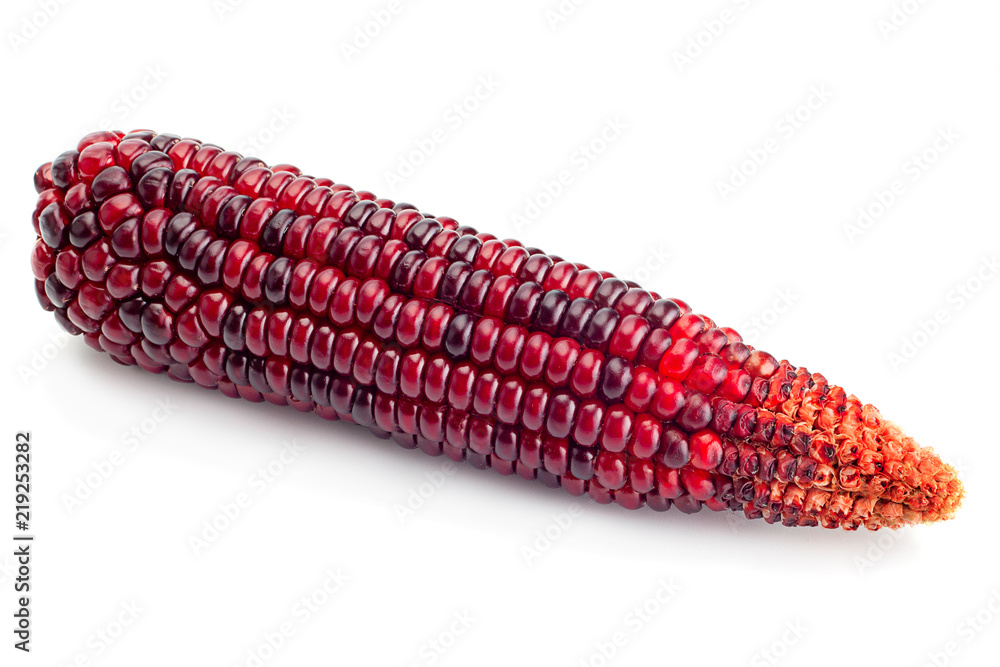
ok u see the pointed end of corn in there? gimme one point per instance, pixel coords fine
(901, 483)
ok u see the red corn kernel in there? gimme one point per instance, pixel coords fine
(117, 209)
(411, 373)
(707, 374)
(628, 337)
(668, 400)
(536, 405)
(123, 281)
(530, 451)
(128, 150)
(760, 364)
(634, 302)
(587, 373)
(442, 243)
(299, 288)
(646, 437)
(735, 354)
(509, 400)
(429, 278)
(95, 158)
(390, 257)
(498, 299)
(484, 340)
(67, 265)
(668, 483)
(155, 276)
(509, 348)
(679, 359)
(212, 308)
(484, 393)
(488, 255)
(561, 414)
(321, 292)
(711, 341)
(609, 470)
(561, 276)
(461, 385)
(298, 235)
(617, 429)
(688, 326)
(435, 326)
(342, 304)
(94, 301)
(315, 201)
(555, 455)
(696, 413)
(256, 216)
(371, 295)
(436, 380)
(344, 349)
(510, 261)
(706, 449)
(698, 483)
(189, 329)
(411, 322)
(584, 285)
(674, 448)
(587, 428)
(79, 197)
(300, 337)
(180, 292)
(735, 386)
(384, 324)
(562, 358)
(640, 394)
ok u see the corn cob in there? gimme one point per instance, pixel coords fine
(185, 259)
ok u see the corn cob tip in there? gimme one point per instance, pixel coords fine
(892, 481)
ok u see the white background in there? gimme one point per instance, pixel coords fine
(230, 77)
